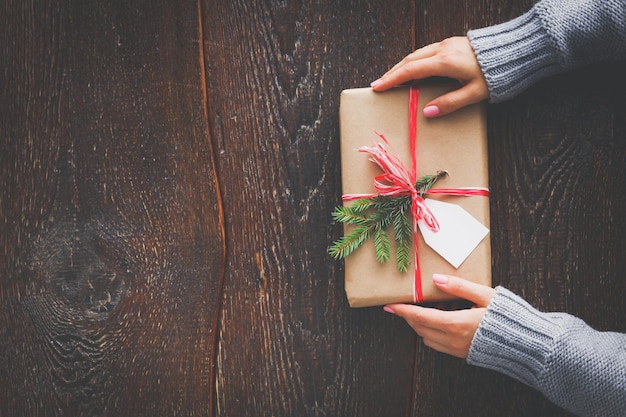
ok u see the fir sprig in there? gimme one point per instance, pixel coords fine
(372, 217)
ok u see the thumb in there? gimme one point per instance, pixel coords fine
(455, 100)
(479, 294)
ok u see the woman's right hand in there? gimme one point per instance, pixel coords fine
(451, 58)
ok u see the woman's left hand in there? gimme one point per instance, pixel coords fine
(449, 332)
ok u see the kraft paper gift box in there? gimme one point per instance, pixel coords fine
(456, 143)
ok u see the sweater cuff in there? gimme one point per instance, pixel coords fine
(514, 55)
(514, 338)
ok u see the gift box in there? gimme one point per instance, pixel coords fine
(456, 144)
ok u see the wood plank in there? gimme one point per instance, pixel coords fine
(289, 345)
(113, 238)
(445, 385)
(558, 155)
(112, 242)
(556, 167)
(301, 354)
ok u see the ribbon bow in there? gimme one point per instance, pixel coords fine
(397, 181)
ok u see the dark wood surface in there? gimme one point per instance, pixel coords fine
(168, 170)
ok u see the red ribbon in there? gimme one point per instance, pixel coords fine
(397, 181)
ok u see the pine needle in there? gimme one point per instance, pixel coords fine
(375, 216)
(382, 245)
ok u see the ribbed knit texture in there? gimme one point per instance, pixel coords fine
(576, 367)
(552, 37)
(573, 365)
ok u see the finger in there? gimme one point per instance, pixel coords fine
(456, 99)
(459, 287)
(428, 332)
(418, 316)
(451, 343)
(437, 324)
(446, 331)
(455, 334)
(461, 352)
(410, 70)
(421, 53)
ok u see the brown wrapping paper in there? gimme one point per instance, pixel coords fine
(456, 143)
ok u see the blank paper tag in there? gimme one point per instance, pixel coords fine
(459, 232)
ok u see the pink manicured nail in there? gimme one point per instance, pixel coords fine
(431, 111)
(375, 83)
(389, 310)
(440, 279)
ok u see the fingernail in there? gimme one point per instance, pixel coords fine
(440, 279)
(375, 83)
(431, 111)
(389, 310)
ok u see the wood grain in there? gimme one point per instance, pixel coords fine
(112, 233)
(167, 174)
(289, 345)
(557, 166)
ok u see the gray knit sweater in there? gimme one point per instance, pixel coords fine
(575, 366)
(554, 36)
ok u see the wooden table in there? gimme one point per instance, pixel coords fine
(168, 172)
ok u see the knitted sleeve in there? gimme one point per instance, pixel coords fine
(576, 367)
(552, 37)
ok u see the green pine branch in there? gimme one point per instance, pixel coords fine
(373, 217)
(381, 244)
(402, 231)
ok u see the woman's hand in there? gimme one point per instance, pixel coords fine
(451, 58)
(449, 332)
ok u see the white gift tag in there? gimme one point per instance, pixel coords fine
(459, 232)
